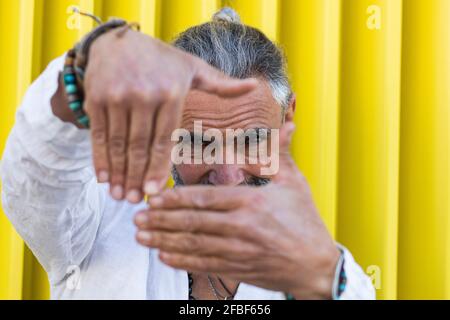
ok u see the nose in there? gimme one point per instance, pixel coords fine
(228, 175)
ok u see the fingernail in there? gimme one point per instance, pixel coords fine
(144, 236)
(155, 201)
(103, 176)
(117, 192)
(151, 188)
(141, 218)
(134, 196)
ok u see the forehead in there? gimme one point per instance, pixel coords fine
(257, 109)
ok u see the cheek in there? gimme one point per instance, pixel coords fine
(191, 174)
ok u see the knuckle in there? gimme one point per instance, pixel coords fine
(157, 219)
(173, 95)
(255, 200)
(141, 95)
(192, 243)
(252, 252)
(117, 97)
(241, 225)
(203, 200)
(117, 145)
(154, 95)
(191, 222)
(165, 93)
(138, 147)
(98, 136)
(173, 195)
(246, 252)
(94, 100)
(157, 239)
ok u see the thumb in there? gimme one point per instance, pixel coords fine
(211, 80)
(288, 171)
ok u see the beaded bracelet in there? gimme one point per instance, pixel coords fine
(340, 280)
(75, 94)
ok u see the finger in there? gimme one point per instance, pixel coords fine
(201, 197)
(211, 80)
(117, 147)
(99, 139)
(196, 244)
(288, 171)
(138, 151)
(167, 120)
(207, 222)
(203, 264)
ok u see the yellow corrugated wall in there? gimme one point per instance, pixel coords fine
(372, 79)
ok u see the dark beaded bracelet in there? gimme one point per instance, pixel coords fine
(73, 90)
(340, 281)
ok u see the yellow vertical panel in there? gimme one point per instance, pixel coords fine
(262, 14)
(310, 37)
(29, 67)
(424, 239)
(35, 279)
(61, 27)
(146, 12)
(149, 17)
(369, 136)
(30, 44)
(178, 15)
(128, 10)
(34, 55)
(55, 30)
(11, 246)
(89, 6)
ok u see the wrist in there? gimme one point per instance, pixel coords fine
(321, 286)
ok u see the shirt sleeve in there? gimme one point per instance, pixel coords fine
(359, 286)
(49, 189)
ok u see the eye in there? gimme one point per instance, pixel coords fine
(257, 136)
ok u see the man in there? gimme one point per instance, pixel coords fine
(238, 233)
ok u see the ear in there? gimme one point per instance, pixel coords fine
(290, 111)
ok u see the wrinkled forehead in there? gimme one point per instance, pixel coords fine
(257, 109)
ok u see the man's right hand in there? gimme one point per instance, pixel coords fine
(135, 87)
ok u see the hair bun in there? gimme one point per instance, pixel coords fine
(227, 15)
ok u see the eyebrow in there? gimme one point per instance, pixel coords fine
(261, 133)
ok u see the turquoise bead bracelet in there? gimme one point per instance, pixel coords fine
(73, 92)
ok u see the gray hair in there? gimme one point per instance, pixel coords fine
(239, 51)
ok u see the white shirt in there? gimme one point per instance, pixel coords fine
(84, 239)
